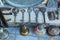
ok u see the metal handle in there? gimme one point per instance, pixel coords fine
(36, 10)
(15, 11)
(44, 17)
(29, 10)
(36, 17)
(22, 11)
(14, 19)
(22, 17)
(29, 18)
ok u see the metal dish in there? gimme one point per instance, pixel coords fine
(24, 31)
(23, 3)
(53, 30)
(39, 30)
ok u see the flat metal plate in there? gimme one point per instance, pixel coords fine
(23, 3)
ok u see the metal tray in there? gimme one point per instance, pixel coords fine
(23, 3)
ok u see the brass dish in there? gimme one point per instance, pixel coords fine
(24, 31)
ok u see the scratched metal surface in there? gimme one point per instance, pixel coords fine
(14, 32)
(15, 35)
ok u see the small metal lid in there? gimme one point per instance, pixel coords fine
(53, 30)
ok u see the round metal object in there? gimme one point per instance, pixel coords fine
(39, 30)
(53, 30)
(23, 3)
(24, 31)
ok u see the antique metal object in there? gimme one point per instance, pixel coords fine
(36, 11)
(23, 29)
(40, 30)
(15, 11)
(22, 11)
(23, 3)
(29, 10)
(53, 30)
